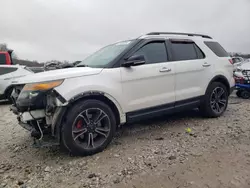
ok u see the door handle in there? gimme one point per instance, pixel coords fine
(206, 64)
(165, 69)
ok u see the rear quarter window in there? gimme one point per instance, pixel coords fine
(216, 48)
(2, 59)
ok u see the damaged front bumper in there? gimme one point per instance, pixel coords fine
(25, 117)
(42, 114)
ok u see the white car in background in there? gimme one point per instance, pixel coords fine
(242, 65)
(247, 60)
(7, 74)
(237, 61)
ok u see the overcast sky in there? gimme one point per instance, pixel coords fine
(71, 29)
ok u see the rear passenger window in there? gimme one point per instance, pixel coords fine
(186, 51)
(2, 59)
(217, 48)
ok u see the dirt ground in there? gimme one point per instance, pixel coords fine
(155, 153)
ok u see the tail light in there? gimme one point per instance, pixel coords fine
(239, 80)
(231, 61)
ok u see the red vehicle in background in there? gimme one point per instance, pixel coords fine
(5, 57)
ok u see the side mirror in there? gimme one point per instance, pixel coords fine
(134, 61)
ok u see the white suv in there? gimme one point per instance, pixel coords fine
(155, 74)
(7, 74)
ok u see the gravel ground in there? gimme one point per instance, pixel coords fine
(155, 153)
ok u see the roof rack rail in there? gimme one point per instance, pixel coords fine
(176, 33)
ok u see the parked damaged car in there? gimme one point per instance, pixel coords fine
(158, 73)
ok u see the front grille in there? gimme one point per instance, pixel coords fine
(246, 73)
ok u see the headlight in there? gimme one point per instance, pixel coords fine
(33, 96)
(42, 86)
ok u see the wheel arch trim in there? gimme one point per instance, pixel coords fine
(220, 78)
(8, 88)
(98, 93)
(64, 109)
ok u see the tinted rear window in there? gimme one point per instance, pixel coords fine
(186, 51)
(2, 59)
(217, 49)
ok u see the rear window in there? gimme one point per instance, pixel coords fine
(2, 59)
(186, 51)
(217, 49)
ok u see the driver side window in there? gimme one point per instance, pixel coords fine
(154, 52)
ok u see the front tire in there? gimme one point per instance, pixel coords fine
(89, 127)
(238, 93)
(215, 101)
(245, 94)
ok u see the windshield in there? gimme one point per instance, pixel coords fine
(105, 55)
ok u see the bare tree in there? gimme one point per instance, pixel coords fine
(4, 47)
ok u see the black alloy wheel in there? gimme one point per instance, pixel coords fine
(91, 128)
(88, 128)
(215, 101)
(218, 100)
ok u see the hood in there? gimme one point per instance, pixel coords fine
(57, 75)
(245, 66)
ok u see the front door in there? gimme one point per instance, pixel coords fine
(150, 85)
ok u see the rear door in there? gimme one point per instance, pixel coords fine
(192, 70)
(6, 73)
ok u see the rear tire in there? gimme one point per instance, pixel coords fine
(245, 94)
(215, 101)
(89, 127)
